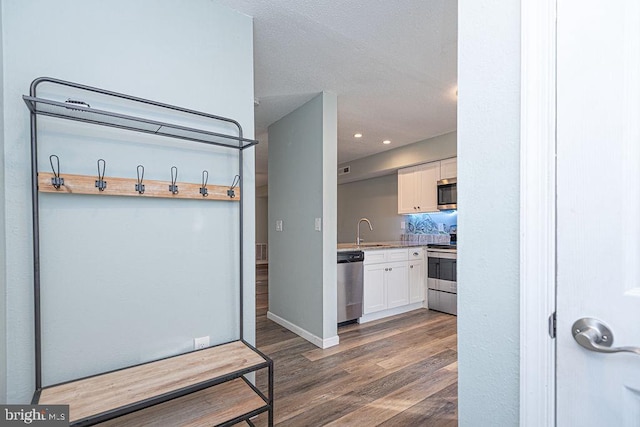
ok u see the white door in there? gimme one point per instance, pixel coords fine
(598, 196)
(416, 281)
(429, 175)
(407, 190)
(397, 284)
(374, 288)
(449, 168)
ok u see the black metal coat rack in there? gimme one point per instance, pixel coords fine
(135, 186)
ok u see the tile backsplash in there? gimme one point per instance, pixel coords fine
(430, 228)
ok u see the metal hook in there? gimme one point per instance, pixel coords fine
(101, 184)
(230, 192)
(174, 177)
(205, 179)
(140, 185)
(56, 181)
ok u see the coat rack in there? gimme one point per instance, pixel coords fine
(151, 392)
(101, 185)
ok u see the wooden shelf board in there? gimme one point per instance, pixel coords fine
(102, 393)
(86, 184)
(205, 408)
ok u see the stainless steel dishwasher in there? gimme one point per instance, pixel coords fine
(350, 275)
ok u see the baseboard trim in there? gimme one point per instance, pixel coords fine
(313, 339)
(390, 312)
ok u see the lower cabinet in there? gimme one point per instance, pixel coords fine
(375, 295)
(386, 285)
(416, 281)
(397, 284)
(386, 280)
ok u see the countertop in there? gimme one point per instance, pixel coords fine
(372, 246)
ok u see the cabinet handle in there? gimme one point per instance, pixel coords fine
(386, 269)
(390, 269)
(411, 266)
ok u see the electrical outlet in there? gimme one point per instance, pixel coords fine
(403, 225)
(318, 226)
(199, 343)
(278, 225)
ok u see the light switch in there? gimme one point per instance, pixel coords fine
(278, 225)
(318, 224)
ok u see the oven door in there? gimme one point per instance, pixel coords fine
(448, 194)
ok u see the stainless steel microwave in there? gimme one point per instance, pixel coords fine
(447, 194)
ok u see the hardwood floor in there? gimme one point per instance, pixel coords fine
(400, 371)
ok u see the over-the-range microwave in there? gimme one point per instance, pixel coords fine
(447, 194)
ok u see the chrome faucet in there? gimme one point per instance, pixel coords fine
(358, 240)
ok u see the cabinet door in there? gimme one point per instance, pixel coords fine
(407, 190)
(397, 283)
(416, 281)
(374, 290)
(449, 168)
(429, 175)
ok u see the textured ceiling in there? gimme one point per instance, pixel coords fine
(392, 64)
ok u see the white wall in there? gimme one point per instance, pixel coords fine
(110, 301)
(488, 221)
(302, 187)
(3, 260)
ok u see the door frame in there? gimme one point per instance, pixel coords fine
(537, 211)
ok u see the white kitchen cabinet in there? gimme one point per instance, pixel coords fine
(449, 168)
(386, 279)
(417, 188)
(407, 190)
(374, 288)
(417, 275)
(416, 281)
(386, 285)
(397, 284)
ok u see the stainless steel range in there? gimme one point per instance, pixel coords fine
(442, 278)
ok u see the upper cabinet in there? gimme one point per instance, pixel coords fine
(449, 168)
(417, 190)
(417, 185)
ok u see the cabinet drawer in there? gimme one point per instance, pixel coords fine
(416, 253)
(397, 255)
(385, 255)
(374, 257)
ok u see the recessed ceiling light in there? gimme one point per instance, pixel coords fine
(386, 142)
(357, 135)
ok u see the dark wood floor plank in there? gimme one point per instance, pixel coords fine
(438, 410)
(394, 372)
(357, 336)
(401, 400)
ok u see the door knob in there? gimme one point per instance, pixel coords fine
(594, 335)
